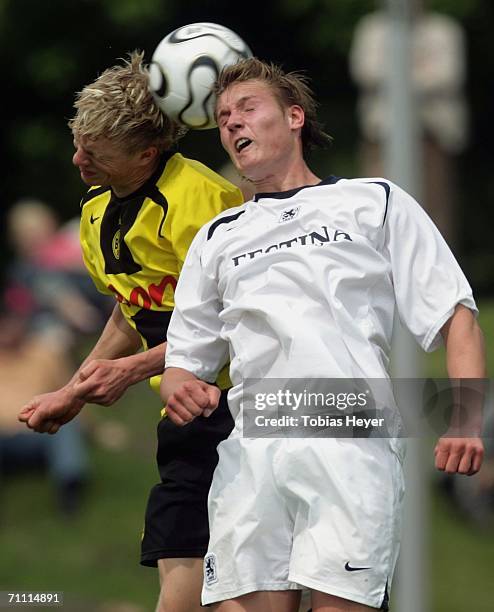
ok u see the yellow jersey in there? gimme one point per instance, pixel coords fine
(134, 247)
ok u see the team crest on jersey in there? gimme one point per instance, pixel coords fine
(115, 244)
(210, 569)
(289, 213)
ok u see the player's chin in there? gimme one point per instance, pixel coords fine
(235, 161)
(90, 179)
(241, 160)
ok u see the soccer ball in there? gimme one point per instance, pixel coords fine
(185, 66)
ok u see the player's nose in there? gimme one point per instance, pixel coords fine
(79, 158)
(234, 121)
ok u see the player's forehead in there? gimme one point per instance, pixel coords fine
(238, 94)
(96, 144)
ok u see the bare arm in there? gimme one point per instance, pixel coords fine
(110, 368)
(114, 365)
(187, 397)
(461, 449)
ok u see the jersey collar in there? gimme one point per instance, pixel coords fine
(280, 195)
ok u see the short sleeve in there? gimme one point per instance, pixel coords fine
(89, 257)
(194, 340)
(428, 282)
(203, 201)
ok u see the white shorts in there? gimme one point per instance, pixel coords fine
(292, 513)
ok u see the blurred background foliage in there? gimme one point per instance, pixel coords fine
(52, 49)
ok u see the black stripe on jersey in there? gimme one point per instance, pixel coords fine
(330, 180)
(385, 602)
(152, 325)
(387, 189)
(92, 193)
(280, 195)
(157, 197)
(119, 217)
(217, 223)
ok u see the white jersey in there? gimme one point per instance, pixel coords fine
(306, 284)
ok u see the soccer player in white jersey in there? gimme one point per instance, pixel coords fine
(304, 281)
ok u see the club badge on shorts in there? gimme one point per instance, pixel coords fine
(210, 571)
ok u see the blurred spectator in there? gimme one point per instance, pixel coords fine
(48, 277)
(49, 302)
(438, 76)
(33, 363)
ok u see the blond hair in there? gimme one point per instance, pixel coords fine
(119, 106)
(289, 88)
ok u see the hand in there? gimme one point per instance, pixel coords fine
(192, 399)
(459, 455)
(46, 413)
(103, 381)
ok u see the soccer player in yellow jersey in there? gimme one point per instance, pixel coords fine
(144, 206)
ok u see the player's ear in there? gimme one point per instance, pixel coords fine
(296, 116)
(149, 154)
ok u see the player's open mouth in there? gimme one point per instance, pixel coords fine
(242, 143)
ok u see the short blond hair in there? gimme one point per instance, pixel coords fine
(119, 106)
(289, 88)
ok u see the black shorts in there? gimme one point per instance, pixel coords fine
(176, 523)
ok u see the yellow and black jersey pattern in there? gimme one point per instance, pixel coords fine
(134, 247)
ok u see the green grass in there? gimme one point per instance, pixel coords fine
(462, 560)
(93, 558)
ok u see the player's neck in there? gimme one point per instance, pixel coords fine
(288, 178)
(135, 179)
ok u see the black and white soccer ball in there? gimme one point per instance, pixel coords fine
(185, 66)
